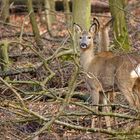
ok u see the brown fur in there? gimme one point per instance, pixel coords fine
(103, 48)
(107, 71)
(104, 40)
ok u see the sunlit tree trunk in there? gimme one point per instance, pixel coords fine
(81, 12)
(5, 10)
(119, 25)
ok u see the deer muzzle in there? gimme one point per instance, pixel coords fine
(83, 45)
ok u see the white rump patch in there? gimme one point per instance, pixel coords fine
(136, 72)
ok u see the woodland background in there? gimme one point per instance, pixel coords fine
(43, 95)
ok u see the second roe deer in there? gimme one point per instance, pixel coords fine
(103, 45)
(106, 71)
(104, 40)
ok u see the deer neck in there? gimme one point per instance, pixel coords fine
(86, 57)
(104, 40)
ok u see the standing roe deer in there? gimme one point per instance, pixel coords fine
(106, 71)
(104, 43)
(104, 40)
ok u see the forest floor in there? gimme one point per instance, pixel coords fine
(44, 97)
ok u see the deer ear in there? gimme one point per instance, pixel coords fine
(96, 21)
(77, 28)
(93, 28)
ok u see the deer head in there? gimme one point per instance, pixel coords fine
(86, 37)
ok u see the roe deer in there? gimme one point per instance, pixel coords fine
(104, 40)
(106, 71)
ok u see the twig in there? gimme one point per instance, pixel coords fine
(17, 71)
(9, 24)
(106, 114)
(52, 74)
(14, 91)
(76, 127)
(71, 87)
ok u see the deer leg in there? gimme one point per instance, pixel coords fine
(95, 101)
(107, 118)
(132, 96)
(128, 93)
(111, 97)
(126, 87)
(136, 90)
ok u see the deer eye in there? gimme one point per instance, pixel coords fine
(80, 37)
(89, 37)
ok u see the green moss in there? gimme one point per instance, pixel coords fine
(119, 25)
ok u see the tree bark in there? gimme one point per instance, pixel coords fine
(119, 25)
(49, 14)
(4, 57)
(5, 10)
(81, 13)
(34, 25)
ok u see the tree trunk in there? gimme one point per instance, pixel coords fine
(67, 10)
(4, 57)
(49, 14)
(34, 25)
(81, 13)
(52, 10)
(5, 10)
(119, 25)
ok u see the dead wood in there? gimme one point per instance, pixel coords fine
(17, 71)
